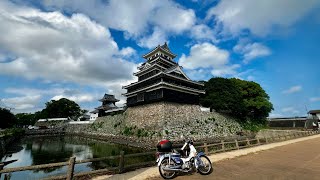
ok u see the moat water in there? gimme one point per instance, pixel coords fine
(42, 150)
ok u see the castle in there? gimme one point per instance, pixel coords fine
(161, 79)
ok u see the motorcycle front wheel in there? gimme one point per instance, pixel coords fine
(165, 164)
(205, 166)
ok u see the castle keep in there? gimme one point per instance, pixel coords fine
(161, 79)
(164, 103)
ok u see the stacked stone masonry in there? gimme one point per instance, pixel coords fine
(155, 121)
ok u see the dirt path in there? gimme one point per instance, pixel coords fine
(294, 161)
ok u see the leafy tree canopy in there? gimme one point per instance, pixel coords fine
(7, 118)
(26, 119)
(61, 108)
(240, 98)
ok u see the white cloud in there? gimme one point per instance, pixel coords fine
(156, 38)
(314, 99)
(291, 110)
(171, 17)
(33, 91)
(79, 98)
(260, 17)
(208, 56)
(127, 52)
(22, 102)
(204, 55)
(203, 32)
(226, 70)
(251, 51)
(292, 89)
(51, 46)
(133, 17)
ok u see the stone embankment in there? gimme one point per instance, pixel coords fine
(39, 132)
(273, 133)
(147, 124)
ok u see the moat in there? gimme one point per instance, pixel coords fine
(50, 149)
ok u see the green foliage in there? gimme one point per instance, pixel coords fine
(96, 126)
(142, 133)
(166, 131)
(245, 100)
(221, 95)
(128, 131)
(256, 104)
(253, 126)
(62, 108)
(12, 132)
(24, 119)
(7, 119)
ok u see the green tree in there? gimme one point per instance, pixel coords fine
(26, 119)
(61, 108)
(256, 104)
(221, 95)
(7, 118)
(245, 100)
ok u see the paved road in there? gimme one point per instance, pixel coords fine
(298, 161)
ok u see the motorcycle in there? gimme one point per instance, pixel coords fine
(185, 160)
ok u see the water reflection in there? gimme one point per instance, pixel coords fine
(43, 150)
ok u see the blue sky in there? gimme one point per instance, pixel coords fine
(81, 49)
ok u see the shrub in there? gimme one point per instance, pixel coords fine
(128, 131)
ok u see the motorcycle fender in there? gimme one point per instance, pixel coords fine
(196, 160)
(201, 154)
(161, 158)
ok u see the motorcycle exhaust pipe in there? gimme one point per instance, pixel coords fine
(171, 169)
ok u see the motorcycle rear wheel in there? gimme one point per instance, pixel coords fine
(167, 174)
(205, 166)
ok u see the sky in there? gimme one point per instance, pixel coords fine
(80, 49)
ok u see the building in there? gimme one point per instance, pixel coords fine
(108, 106)
(52, 122)
(160, 78)
(314, 118)
(288, 122)
(314, 114)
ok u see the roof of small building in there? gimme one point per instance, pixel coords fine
(316, 111)
(95, 111)
(109, 97)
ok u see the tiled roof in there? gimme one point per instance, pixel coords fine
(109, 97)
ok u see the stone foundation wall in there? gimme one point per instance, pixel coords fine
(270, 133)
(152, 122)
(153, 116)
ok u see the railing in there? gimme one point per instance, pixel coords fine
(222, 146)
